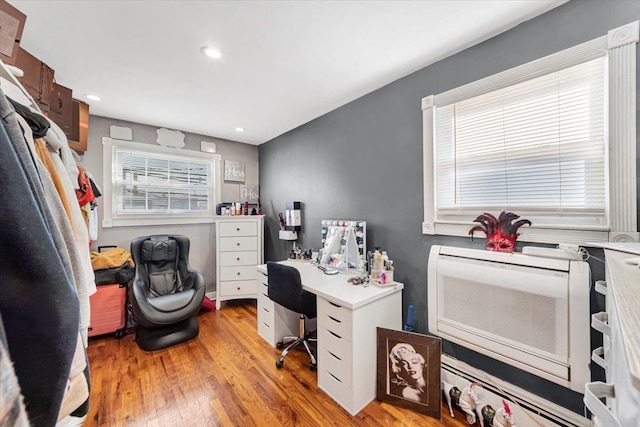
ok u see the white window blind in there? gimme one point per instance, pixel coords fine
(537, 148)
(159, 183)
(146, 184)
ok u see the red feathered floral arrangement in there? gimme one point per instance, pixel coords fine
(501, 232)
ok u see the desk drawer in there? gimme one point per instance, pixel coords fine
(266, 332)
(239, 258)
(335, 388)
(339, 347)
(265, 316)
(230, 244)
(263, 289)
(262, 278)
(335, 318)
(240, 273)
(238, 287)
(335, 356)
(238, 229)
(264, 303)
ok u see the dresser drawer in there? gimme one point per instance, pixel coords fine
(241, 272)
(335, 388)
(335, 318)
(239, 258)
(228, 244)
(239, 287)
(238, 229)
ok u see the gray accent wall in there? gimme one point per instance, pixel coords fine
(202, 236)
(364, 161)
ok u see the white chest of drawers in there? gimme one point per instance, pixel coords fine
(239, 248)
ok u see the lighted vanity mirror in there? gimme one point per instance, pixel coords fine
(344, 245)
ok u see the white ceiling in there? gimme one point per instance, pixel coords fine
(284, 62)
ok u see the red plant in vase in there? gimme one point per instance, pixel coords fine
(501, 232)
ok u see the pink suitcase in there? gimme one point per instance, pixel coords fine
(108, 307)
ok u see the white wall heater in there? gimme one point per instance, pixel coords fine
(527, 311)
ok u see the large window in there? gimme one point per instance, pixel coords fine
(158, 185)
(535, 140)
(536, 148)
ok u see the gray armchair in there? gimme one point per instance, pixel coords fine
(166, 294)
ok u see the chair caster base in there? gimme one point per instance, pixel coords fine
(279, 364)
(312, 366)
(279, 345)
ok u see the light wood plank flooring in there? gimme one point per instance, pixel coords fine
(224, 377)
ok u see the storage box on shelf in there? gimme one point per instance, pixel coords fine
(11, 27)
(79, 126)
(61, 107)
(37, 78)
(239, 248)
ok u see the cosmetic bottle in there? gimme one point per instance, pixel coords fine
(238, 208)
(385, 260)
(377, 265)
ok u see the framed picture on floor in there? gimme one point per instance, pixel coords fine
(408, 371)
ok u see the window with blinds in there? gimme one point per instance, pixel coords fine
(536, 148)
(145, 184)
(159, 183)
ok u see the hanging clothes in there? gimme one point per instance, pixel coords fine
(12, 412)
(38, 302)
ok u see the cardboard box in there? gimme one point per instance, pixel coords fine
(11, 27)
(61, 107)
(79, 126)
(38, 76)
(11, 60)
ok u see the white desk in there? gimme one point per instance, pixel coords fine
(348, 316)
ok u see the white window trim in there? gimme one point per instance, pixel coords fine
(620, 47)
(111, 220)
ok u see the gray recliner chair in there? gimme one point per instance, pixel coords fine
(166, 294)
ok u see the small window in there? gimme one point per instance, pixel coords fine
(159, 185)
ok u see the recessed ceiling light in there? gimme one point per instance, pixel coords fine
(93, 97)
(211, 52)
(239, 129)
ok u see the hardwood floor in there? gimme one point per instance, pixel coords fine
(226, 376)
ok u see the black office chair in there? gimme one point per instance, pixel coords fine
(285, 288)
(166, 294)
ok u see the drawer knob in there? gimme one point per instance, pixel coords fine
(238, 287)
(238, 273)
(238, 229)
(238, 244)
(238, 259)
